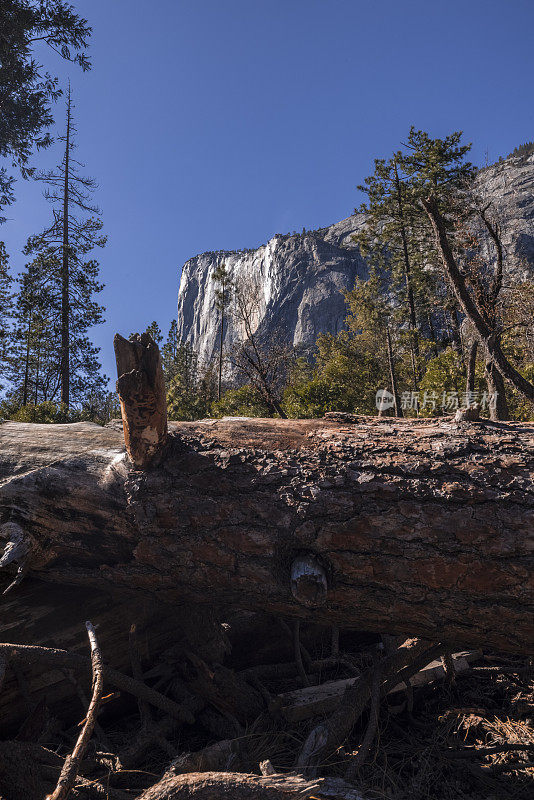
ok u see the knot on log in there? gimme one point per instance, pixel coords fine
(141, 389)
(308, 580)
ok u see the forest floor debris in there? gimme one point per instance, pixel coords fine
(471, 738)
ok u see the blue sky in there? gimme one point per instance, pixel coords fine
(213, 124)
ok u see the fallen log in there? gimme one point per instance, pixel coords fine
(422, 527)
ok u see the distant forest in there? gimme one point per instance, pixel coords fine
(524, 150)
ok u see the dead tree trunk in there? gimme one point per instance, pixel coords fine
(141, 389)
(393, 376)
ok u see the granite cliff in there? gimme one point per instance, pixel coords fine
(302, 276)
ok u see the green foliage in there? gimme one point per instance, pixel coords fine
(190, 390)
(155, 332)
(28, 91)
(35, 360)
(170, 354)
(522, 150)
(398, 246)
(351, 366)
(46, 412)
(444, 378)
(520, 408)
(243, 402)
(224, 287)
(436, 167)
(100, 408)
(314, 397)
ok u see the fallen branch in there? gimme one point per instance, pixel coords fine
(71, 766)
(137, 672)
(238, 786)
(325, 738)
(322, 699)
(359, 760)
(469, 752)
(54, 658)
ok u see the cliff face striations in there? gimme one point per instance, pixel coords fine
(302, 277)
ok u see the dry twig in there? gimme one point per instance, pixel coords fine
(71, 766)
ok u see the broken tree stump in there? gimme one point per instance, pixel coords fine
(141, 389)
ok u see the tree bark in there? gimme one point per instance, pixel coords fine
(421, 527)
(471, 366)
(393, 376)
(498, 407)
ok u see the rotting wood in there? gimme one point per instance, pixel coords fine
(141, 389)
(309, 584)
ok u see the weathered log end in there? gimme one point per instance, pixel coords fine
(308, 581)
(141, 389)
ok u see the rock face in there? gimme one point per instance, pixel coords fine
(302, 277)
(301, 280)
(509, 185)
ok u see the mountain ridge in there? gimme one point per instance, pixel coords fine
(302, 276)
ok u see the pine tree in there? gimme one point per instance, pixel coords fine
(26, 90)
(374, 319)
(191, 390)
(391, 231)
(33, 373)
(70, 238)
(170, 353)
(6, 310)
(155, 332)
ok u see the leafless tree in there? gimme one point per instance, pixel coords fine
(262, 363)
